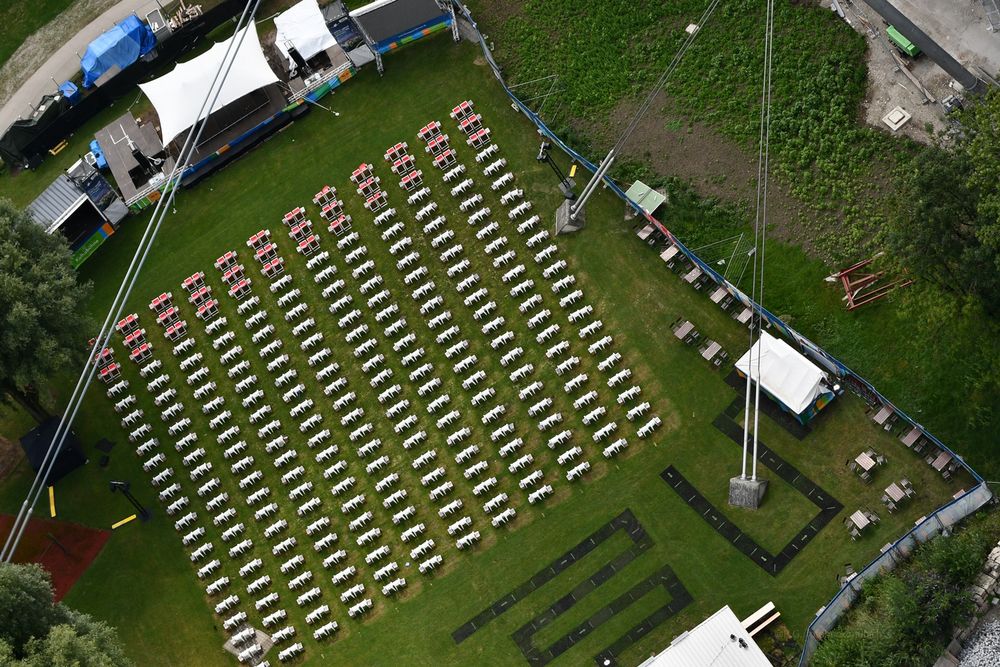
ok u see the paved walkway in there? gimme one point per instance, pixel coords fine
(64, 63)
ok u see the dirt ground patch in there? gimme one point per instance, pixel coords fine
(502, 11)
(714, 165)
(65, 549)
(889, 87)
(10, 455)
(37, 48)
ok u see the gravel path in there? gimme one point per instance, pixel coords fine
(983, 649)
(50, 53)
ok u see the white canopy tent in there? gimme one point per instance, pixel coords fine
(302, 26)
(784, 373)
(179, 94)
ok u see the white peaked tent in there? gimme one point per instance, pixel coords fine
(303, 27)
(178, 95)
(784, 373)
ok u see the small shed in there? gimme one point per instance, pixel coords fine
(58, 202)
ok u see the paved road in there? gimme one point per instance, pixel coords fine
(64, 63)
(960, 28)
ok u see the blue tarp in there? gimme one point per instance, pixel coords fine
(121, 46)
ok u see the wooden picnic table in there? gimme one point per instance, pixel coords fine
(719, 294)
(693, 275)
(744, 317)
(883, 415)
(684, 329)
(669, 253)
(860, 520)
(711, 350)
(911, 437)
(865, 461)
(895, 493)
(943, 459)
(644, 233)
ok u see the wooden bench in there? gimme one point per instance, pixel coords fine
(760, 619)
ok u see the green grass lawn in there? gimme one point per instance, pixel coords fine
(18, 20)
(921, 349)
(142, 582)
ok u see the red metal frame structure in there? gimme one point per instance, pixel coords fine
(862, 287)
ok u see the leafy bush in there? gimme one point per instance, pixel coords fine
(906, 617)
(604, 55)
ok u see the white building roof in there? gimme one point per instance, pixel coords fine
(784, 373)
(711, 644)
(179, 94)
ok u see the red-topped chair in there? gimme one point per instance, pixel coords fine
(194, 281)
(296, 215)
(429, 131)
(226, 261)
(110, 373)
(266, 253)
(259, 239)
(438, 144)
(176, 331)
(309, 245)
(274, 268)
(325, 195)
(462, 110)
(445, 159)
(332, 210)
(369, 187)
(471, 123)
(128, 324)
(362, 173)
(168, 316)
(161, 302)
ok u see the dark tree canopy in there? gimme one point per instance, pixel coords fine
(37, 632)
(41, 304)
(946, 225)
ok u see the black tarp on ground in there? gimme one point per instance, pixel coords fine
(396, 17)
(36, 442)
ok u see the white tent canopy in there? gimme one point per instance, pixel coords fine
(784, 373)
(178, 95)
(303, 27)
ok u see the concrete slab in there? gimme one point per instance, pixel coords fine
(961, 28)
(897, 118)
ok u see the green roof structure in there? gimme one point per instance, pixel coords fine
(646, 197)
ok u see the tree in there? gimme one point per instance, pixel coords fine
(26, 608)
(41, 308)
(936, 231)
(37, 632)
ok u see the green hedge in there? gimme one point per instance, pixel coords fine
(906, 617)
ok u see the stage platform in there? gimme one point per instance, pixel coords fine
(126, 170)
(324, 64)
(221, 142)
(233, 120)
(228, 125)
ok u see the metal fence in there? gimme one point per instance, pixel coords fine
(928, 527)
